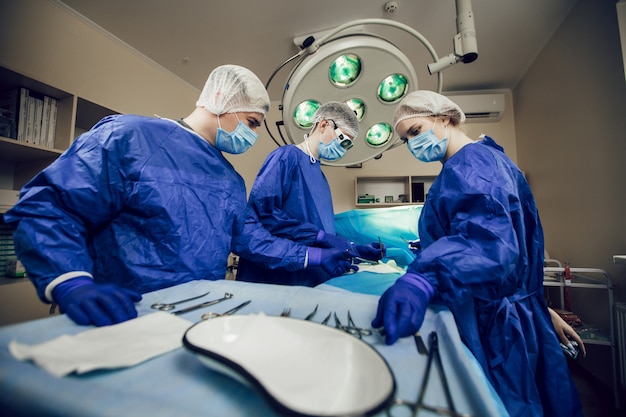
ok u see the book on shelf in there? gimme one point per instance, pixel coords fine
(37, 121)
(30, 120)
(32, 116)
(9, 111)
(52, 122)
(23, 115)
(45, 122)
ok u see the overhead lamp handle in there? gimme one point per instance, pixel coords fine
(465, 45)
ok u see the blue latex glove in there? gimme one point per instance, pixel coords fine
(371, 251)
(334, 261)
(328, 240)
(402, 307)
(86, 302)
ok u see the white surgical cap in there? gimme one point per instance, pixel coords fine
(424, 103)
(343, 116)
(231, 89)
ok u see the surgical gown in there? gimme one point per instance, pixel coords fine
(482, 252)
(289, 203)
(136, 201)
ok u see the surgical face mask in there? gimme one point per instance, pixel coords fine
(427, 147)
(237, 141)
(333, 150)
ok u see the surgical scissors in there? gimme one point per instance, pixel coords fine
(211, 315)
(171, 306)
(202, 305)
(355, 260)
(351, 327)
(414, 408)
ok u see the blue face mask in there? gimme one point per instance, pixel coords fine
(237, 141)
(427, 147)
(331, 151)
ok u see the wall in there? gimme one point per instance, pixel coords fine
(570, 124)
(44, 41)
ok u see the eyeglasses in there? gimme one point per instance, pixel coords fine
(344, 140)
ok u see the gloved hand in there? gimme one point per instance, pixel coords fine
(372, 251)
(328, 240)
(402, 307)
(86, 302)
(334, 261)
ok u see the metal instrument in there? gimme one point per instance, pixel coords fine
(355, 260)
(211, 315)
(312, 313)
(203, 305)
(351, 327)
(414, 408)
(171, 306)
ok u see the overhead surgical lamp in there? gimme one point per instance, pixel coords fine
(368, 73)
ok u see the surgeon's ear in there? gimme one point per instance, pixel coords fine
(325, 124)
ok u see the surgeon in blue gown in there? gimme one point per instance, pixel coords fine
(140, 203)
(482, 257)
(289, 235)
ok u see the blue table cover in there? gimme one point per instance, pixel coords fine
(177, 384)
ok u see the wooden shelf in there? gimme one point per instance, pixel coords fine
(13, 151)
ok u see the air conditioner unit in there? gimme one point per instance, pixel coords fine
(480, 107)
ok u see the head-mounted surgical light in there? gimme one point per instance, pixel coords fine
(365, 71)
(344, 141)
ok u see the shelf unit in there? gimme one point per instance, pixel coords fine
(585, 279)
(386, 191)
(21, 161)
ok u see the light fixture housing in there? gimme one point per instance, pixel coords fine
(368, 73)
(365, 71)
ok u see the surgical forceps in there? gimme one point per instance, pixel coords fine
(351, 327)
(202, 305)
(433, 354)
(211, 315)
(171, 306)
(355, 260)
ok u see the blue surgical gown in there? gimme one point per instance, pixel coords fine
(136, 201)
(483, 254)
(290, 201)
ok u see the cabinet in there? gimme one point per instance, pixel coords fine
(384, 191)
(583, 282)
(20, 161)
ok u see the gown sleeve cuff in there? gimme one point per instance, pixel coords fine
(62, 278)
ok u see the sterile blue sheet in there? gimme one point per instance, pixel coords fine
(395, 226)
(177, 384)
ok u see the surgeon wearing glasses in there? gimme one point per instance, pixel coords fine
(289, 234)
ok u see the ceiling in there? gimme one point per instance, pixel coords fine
(191, 37)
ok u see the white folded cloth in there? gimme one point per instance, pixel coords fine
(382, 268)
(119, 345)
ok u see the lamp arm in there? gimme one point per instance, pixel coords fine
(465, 46)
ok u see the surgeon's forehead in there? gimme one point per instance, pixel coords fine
(406, 124)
